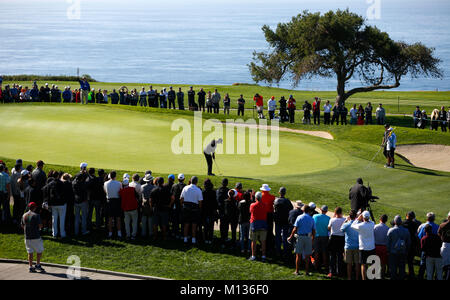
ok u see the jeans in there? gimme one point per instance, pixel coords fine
(244, 230)
(59, 213)
(6, 210)
(281, 235)
(97, 204)
(18, 208)
(336, 251)
(131, 215)
(397, 264)
(434, 265)
(82, 208)
(147, 224)
(175, 220)
(208, 225)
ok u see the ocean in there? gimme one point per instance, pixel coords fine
(191, 42)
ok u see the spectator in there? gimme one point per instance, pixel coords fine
(353, 115)
(96, 197)
(226, 104)
(258, 226)
(230, 217)
(31, 224)
(54, 196)
(320, 246)
(380, 231)
(430, 221)
(146, 209)
(336, 113)
(291, 109)
(67, 95)
(244, 221)
(201, 99)
(368, 113)
(136, 185)
(152, 96)
(81, 200)
(5, 194)
(283, 109)
(22, 184)
(129, 204)
(343, 111)
(351, 248)
(316, 110)
(259, 102)
(365, 227)
(398, 243)
(443, 119)
(412, 225)
(69, 199)
(444, 233)
(191, 199)
(241, 105)
(191, 99)
(215, 98)
(337, 243)
(431, 247)
(160, 200)
(294, 213)
(114, 97)
(282, 206)
(113, 206)
(307, 113)
(209, 103)
(180, 99)
(39, 179)
(209, 211)
(417, 116)
(271, 107)
(177, 207)
(143, 97)
(327, 113)
(171, 97)
(434, 119)
(448, 118)
(268, 200)
(380, 114)
(221, 195)
(18, 207)
(99, 97)
(305, 229)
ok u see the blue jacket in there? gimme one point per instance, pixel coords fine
(66, 96)
(84, 85)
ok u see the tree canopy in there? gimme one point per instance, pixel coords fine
(340, 44)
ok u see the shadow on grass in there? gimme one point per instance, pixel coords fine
(411, 168)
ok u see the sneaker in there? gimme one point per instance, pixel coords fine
(39, 268)
(32, 269)
(252, 258)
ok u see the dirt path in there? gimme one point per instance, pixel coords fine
(429, 156)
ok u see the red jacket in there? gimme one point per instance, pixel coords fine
(259, 100)
(291, 103)
(268, 200)
(316, 106)
(128, 199)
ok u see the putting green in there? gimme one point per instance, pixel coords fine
(114, 138)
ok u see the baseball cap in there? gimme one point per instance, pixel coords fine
(126, 175)
(324, 208)
(312, 205)
(366, 214)
(32, 204)
(24, 172)
(83, 165)
(181, 176)
(299, 203)
(171, 176)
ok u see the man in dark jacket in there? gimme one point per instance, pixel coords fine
(40, 180)
(171, 98)
(412, 225)
(175, 215)
(161, 202)
(96, 197)
(209, 211)
(282, 206)
(221, 195)
(244, 221)
(191, 98)
(307, 113)
(114, 97)
(180, 99)
(56, 94)
(80, 190)
(201, 99)
(54, 196)
(357, 196)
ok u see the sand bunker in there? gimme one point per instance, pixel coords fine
(435, 157)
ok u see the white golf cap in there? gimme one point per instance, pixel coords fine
(83, 165)
(25, 172)
(312, 205)
(265, 187)
(366, 214)
(126, 175)
(181, 176)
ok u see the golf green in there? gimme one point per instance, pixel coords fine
(107, 137)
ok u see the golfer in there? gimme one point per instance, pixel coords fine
(209, 154)
(389, 143)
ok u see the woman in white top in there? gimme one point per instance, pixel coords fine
(336, 243)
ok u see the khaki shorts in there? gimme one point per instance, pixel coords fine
(35, 245)
(351, 256)
(260, 235)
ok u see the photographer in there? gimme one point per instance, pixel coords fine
(358, 196)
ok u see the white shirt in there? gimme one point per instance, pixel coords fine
(209, 149)
(272, 104)
(366, 235)
(353, 112)
(335, 224)
(391, 142)
(137, 187)
(191, 193)
(327, 108)
(112, 188)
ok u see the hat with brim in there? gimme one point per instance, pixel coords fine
(265, 188)
(148, 177)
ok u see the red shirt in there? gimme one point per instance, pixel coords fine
(316, 106)
(259, 101)
(128, 199)
(268, 200)
(258, 212)
(291, 103)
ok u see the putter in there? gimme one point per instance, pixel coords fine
(218, 169)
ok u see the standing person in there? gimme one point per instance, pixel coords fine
(343, 112)
(281, 208)
(215, 99)
(22, 185)
(307, 112)
(34, 94)
(176, 208)
(39, 180)
(81, 200)
(336, 113)
(209, 104)
(327, 112)
(180, 99)
(357, 196)
(258, 226)
(226, 104)
(353, 115)
(448, 118)
(380, 231)
(431, 247)
(201, 99)
(351, 248)
(443, 119)
(368, 113)
(69, 199)
(380, 114)
(146, 209)
(229, 218)
(283, 109)
(171, 96)
(271, 107)
(412, 225)
(444, 234)
(160, 200)
(221, 196)
(360, 114)
(259, 103)
(112, 188)
(191, 199)
(15, 192)
(209, 211)
(316, 110)
(191, 99)
(244, 221)
(66, 95)
(129, 203)
(398, 243)
(56, 201)
(114, 97)
(294, 213)
(5, 195)
(99, 97)
(291, 109)
(31, 224)
(152, 97)
(337, 243)
(85, 88)
(420, 234)
(390, 142)
(305, 229)
(241, 105)
(268, 200)
(162, 99)
(96, 197)
(143, 97)
(417, 116)
(321, 240)
(364, 226)
(434, 119)
(209, 153)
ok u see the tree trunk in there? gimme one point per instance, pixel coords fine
(341, 97)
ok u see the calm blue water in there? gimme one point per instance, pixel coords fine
(198, 42)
